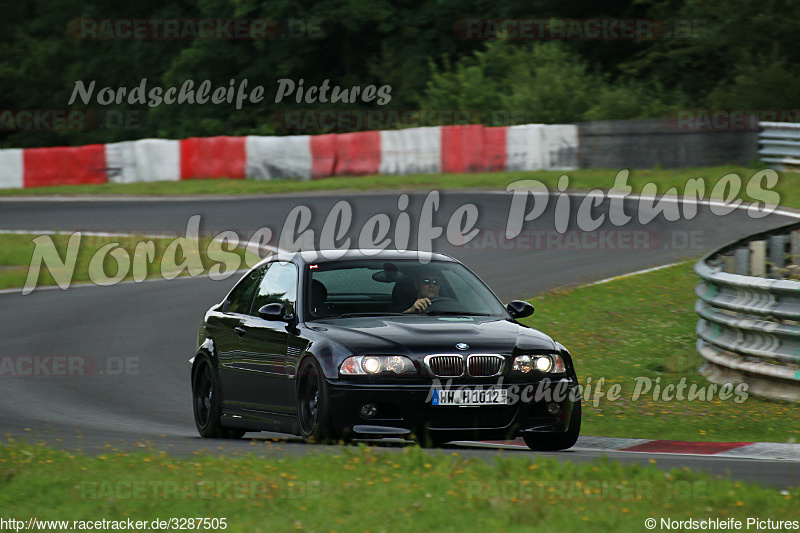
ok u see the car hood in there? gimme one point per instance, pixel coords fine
(425, 335)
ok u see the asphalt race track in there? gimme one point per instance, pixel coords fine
(135, 338)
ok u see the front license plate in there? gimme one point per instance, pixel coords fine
(466, 397)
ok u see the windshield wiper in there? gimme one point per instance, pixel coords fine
(354, 315)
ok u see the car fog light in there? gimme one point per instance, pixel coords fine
(553, 408)
(368, 410)
(372, 365)
(543, 364)
(522, 363)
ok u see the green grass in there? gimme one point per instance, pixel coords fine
(644, 325)
(585, 179)
(16, 252)
(365, 489)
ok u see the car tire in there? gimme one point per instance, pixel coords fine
(552, 442)
(313, 403)
(206, 399)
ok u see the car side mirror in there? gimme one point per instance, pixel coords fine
(274, 311)
(519, 309)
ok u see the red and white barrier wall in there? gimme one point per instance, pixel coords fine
(143, 160)
(11, 169)
(540, 146)
(277, 158)
(411, 151)
(452, 149)
(77, 165)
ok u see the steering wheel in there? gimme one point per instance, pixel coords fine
(442, 303)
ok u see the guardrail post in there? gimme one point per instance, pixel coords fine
(794, 246)
(729, 264)
(777, 253)
(758, 258)
(743, 261)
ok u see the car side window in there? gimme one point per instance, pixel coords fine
(241, 297)
(279, 285)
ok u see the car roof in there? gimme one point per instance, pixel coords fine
(327, 256)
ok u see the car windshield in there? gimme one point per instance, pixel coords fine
(344, 289)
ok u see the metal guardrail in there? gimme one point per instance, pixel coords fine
(779, 145)
(749, 326)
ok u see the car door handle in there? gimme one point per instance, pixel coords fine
(239, 331)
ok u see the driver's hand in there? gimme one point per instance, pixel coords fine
(419, 306)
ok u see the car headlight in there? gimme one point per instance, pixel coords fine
(543, 363)
(365, 365)
(371, 365)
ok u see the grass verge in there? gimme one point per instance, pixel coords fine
(17, 250)
(640, 329)
(364, 489)
(584, 179)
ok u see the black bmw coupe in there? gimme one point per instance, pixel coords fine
(336, 345)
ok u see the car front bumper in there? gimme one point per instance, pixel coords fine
(406, 410)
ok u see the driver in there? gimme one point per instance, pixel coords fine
(427, 286)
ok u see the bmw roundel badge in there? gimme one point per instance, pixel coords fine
(462, 345)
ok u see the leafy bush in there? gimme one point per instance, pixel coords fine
(626, 101)
(539, 83)
(766, 83)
